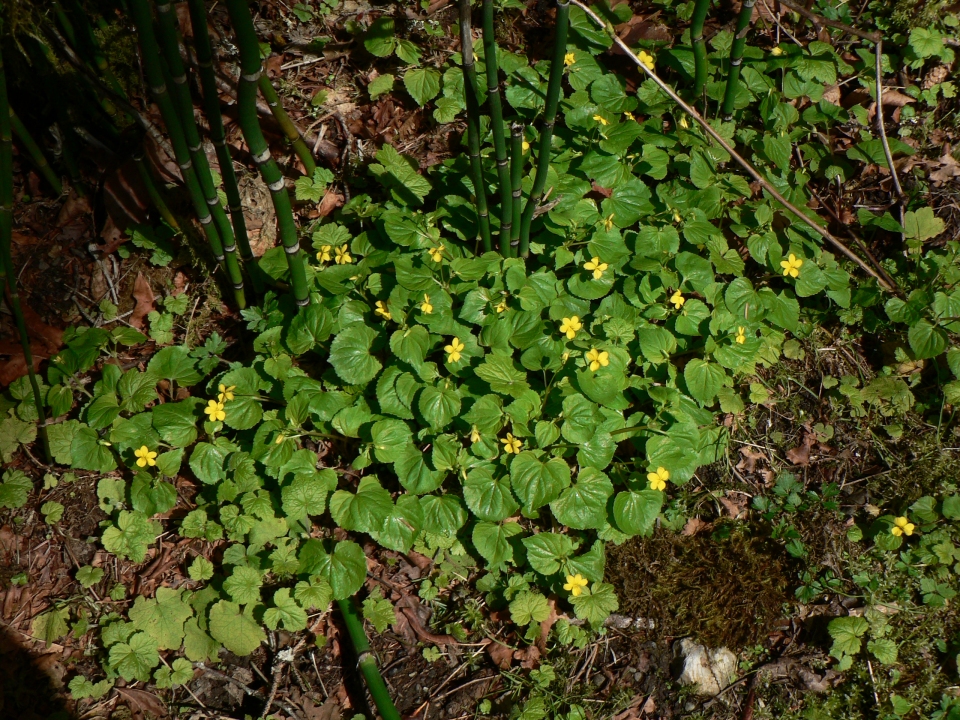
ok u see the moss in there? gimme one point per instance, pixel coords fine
(721, 591)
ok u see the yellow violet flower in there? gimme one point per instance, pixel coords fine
(525, 146)
(454, 349)
(436, 254)
(575, 584)
(145, 456)
(676, 216)
(646, 58)
(511, 445)
(569, 326)
(597, 267)
(902, 526)
(502, 307)
(628, 115)
(683, 122)
(226, 393)
(678, 300)
(324, 254)
(425, 307)
(215, 410)
(741, 336)
(474, 434)
(569, 59)
(658, 479)
(777, 51)
(608, 222)
(601, 119)
(598, 359)
(343, 255)
(280, 438)
(382, 310)
(791, 266)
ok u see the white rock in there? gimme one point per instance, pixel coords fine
(709, 670)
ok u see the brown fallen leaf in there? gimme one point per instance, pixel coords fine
(693, 526)
(143, 294)
(529, 657)
(801, 455)
(141, 702)
(751, 455)
(501, 655)
(734, 508)
(547, 624)
(330, 202)
(39, 330)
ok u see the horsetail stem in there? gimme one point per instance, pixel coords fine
(699, 46)
(366, 660)
(290, 130)
(496, 121)
(516, 174)
(546, 131)
(250, 71)
(36, 154)
(736, 58)
(155, 196)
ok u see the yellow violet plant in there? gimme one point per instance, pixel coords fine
(597, 359)
(596, 267)
(145, 456)
(658, 479)
(570, 326)
(791, 266)
(575, 584)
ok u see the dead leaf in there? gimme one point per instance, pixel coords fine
(693, 526)
(330, 710)
(501, 655)
(936, 76)
(140, 701)
(606, 192)
(832, 94)
(529, 657)
(750, 457)
(547, 624)
(330, 202)
(143, 294)
(734, 509)
(38, 330)
(113, 238)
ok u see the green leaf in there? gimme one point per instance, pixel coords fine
(503, 376)
(635, 512)
(884, 650)
(439, 405)
(15, 488)
(243, 585)
(443, 514)
(493, 541)
(922, 224)
(363, 511)
(415, 474)
(88, 453)
(207, 461)
(379, 39)
(488, 498)
(130, 537)
(311, 326)
(286, 612)
(162, 618)
(537, 483)
(580, 419)
(307, 493)
(175, 363)
(595, 605)
(926, 340)
(197, 645)
(239, 632)
(547, 551)
(381, 85)
(51, 625)
(177, 422)
(89, 576)
(135, 659)
(423, 84)
(200, 569)
(402, 526)
(411, 345)
(378, 611)
(350, 354)
(529, 607)
(583, 506)
(314, 594)
(344, 569)
(704, 379)
(846, 633)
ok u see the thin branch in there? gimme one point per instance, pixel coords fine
(754, 173)
(836, 24)
(880, 126)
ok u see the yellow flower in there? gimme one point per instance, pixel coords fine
(575, 584)
(569, 59)
(658, 479)
(343, 255)
(608, 222)
(215, 410)
(676, 216)
(436, 254)
(678, 300)
(597, 267)
(382, 310)
(569, 326)
(525, 146)
(280, 438)
(598, 359)
(502, 307)
(511, 446)
(791, 266)
(474, 434)
(902, 526)
(741, 336)
(601, 119)
(324, 254)
(777, 51)
(425, 307)
(646, 58)
(226, 393)
(145, 456)
(628, 115)
(454, 349)
(683, 122)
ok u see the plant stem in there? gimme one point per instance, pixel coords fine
(546, 131)
(9, 277)
(496, 122)
(36, 154)
(250, 71)
(155, 197)
(169, 39)
(286, 125)
(516, 175)
(211, 102)
(153, 70)
(366, 661)
(699, 46)
(473, 125)
(736, 58)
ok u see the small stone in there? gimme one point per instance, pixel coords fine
(709, 670)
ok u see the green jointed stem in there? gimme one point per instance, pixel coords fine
(286, 124)
(155, 196)
(169, 39)
(7, 276)
(699, 46)
(211, 104)
(367, 662)
(496, 122)
(250, 71)
(36, 154)
(150, 53)
(516, 175)
(736, 58)
(546, 131)
(473, 125)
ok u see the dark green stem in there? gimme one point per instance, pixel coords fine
(211, 103)
(250, 71)
(170, 41)
(516, 174)
(699, 46)
(36, 154)
(9, 277)
(546, 131)
(286, 125)
(366, 661)
(736, 58)
(496, 123)
(155, 196)
(471, 95)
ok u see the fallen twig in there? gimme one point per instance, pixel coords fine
(754, 173)
(835, 24)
